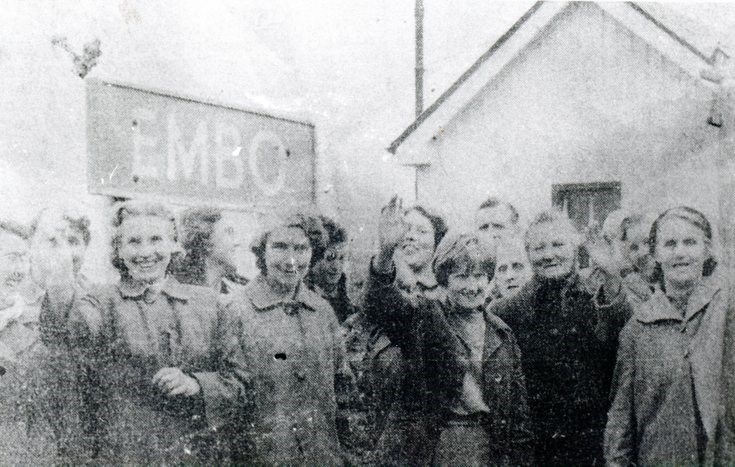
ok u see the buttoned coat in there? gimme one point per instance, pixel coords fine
(278, 383)
(568, 342)
(668, 405)
(122, 336)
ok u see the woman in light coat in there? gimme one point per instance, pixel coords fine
(147, 349)
(668, 407)
(284, 350)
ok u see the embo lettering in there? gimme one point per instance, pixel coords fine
(189, 157)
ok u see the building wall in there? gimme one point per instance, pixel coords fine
(587, 101)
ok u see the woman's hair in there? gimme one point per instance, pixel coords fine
(336, 234)
(554, 216)
(437, 221)
(693, 217)
(313, 229)
(130, 209)
(197, 226)
(461, 252)
(76, 221)
(15, 228)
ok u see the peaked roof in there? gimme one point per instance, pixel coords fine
(682, 45)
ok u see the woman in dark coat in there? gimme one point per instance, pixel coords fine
(327, 276)
(147, 348)
(58, 244)
(668, 407)
(568, 340)
(488, 422)
(413, 364)
(26, 436)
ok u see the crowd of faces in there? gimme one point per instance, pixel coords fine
(145, 244)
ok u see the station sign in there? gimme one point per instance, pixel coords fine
(141, 142)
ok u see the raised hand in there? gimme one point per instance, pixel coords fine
(603, 258)
(391, 230)
(52, 266)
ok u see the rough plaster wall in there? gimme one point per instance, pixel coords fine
(587, 101)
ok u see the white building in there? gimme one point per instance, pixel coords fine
(580, 104)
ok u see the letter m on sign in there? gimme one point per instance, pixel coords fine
(183, 161)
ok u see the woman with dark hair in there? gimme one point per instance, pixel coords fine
(286, 351)
(487, 423)
(210, 244)
(327, 276)
(668, 406)
(411, 351)
(147, 348)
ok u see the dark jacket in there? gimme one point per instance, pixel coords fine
(668, 406)
(504, 392)
(415, 371)
(339, 300)
(26, 437)
(568, 345)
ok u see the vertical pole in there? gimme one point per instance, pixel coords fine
(419, 57)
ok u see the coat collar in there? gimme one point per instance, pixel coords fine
(264, 298)
(170, 287)
(660, 308)
(496, 331)
(573, 283)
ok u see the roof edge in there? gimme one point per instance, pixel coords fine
(467, 73)
(421, 118)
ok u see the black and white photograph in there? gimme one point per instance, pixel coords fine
(367, 233)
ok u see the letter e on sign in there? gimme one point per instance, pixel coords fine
(267, 162)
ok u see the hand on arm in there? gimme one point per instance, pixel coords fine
(174, 382)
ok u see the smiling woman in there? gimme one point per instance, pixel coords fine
(287, 342)
(147, 348)
(668, 406)
(487, 422)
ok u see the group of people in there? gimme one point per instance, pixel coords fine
(482, 347)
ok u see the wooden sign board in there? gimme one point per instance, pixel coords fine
(144, 143)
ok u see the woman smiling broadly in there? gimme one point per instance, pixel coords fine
(487, 422)
(412, 351)
(146, 348)
(668, 406)
(284, 353)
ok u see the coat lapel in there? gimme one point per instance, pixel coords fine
(706, 352)
(706, 348)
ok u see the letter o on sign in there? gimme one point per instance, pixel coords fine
(268, 138)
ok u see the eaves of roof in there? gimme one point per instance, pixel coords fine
(503, 39)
